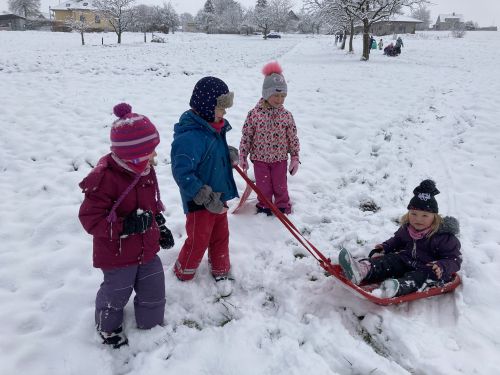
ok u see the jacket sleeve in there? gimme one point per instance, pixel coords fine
(292, 138)
(248, 132)
(186, 156)
(449, 257)
(394, 243)
(96, 207)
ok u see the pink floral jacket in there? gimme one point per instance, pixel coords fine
(269, 134)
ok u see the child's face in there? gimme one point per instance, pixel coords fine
(219, 114)
(276, 100)
(152, 160)
(420, 220)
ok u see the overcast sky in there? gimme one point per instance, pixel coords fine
(485, 12)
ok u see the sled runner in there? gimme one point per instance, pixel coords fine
(363, 290)
(243, 199)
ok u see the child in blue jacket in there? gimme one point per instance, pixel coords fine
(202, 168)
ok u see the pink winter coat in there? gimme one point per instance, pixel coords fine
(102, 187)
(269, 134)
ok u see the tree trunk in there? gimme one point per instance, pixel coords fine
(366, 40)
(144, 37)
(83, 39)
(351, 37)
(119, 33)
(343, 38)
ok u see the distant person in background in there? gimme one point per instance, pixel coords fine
(390, 50)
(399, 44)
(122, 210)
(202, 165)
(380, 44)
(423, 248)
(373, 43)
(269, 135)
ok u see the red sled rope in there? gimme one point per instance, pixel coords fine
(363, 290)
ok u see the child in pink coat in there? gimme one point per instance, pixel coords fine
(269, 135)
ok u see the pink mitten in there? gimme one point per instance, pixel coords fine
(243, 162)
(294, 165)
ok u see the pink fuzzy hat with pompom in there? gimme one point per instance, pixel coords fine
(274, 82)
(133, 137)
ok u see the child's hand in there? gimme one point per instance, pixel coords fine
(243, 163)
(294, 165)
(436, 269)
(377, 251)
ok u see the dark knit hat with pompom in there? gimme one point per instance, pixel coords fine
(423, 199)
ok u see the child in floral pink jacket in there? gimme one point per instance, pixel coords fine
(269, 135)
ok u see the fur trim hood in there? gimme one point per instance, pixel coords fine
(449, 225)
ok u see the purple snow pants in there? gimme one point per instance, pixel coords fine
(271, 179)
(148, 281)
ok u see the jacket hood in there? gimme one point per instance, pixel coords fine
(449, 225)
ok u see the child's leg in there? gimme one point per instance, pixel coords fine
(389, 265)
(280, 186)
(413, 281)
(199, 226)
(218, 248)
(149, 301)
(112, 297)
(263, 181)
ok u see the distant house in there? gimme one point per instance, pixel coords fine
(449, 22)
(395, 24)
(12, 22)
(78, 10)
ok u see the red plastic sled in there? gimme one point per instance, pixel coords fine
(364, 290)
(335, 270)
(243, 199)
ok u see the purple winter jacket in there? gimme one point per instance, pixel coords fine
(442, 248)
(102, 187)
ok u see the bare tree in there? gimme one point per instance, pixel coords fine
(118, 13)
(143, 19)
(423, 14)
(263, 18)
(80, 24)
(279, 10)
(167, 18)
(25, 8)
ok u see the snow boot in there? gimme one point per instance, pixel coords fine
(351, 267)
(389, 288)
(224, 285)
(115, 339)
(262, 210)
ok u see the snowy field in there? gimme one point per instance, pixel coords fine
(370, 132)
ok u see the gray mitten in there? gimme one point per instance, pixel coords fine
(233, 155)
(209, 199)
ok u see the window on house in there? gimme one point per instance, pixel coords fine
(68, 5)
(97, 19)
(85, 4)
(82, 18)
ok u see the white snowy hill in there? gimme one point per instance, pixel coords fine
(370, 132)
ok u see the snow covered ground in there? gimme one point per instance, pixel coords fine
(370, 132)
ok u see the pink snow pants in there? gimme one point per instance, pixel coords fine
(204, 230)
(271, 179)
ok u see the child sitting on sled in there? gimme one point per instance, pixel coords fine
(423, 248)
(269, 135)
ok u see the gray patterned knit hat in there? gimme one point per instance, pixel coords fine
(274, 82)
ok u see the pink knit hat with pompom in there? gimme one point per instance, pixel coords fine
(274, 82)
(133, 137)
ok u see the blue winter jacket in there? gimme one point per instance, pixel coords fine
(200, 156)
